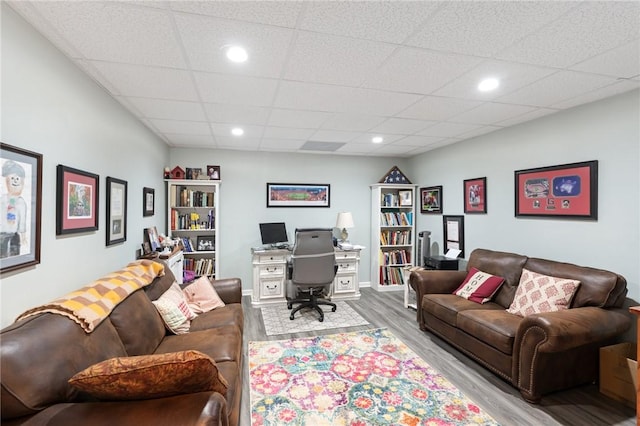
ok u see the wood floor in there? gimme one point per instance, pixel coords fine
(579, 406)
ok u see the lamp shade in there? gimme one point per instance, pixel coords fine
(344, 221)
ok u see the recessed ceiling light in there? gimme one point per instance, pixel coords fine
(237, 54)
(377, 139)
(237, 131)
(488, 84)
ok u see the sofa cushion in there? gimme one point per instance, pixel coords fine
(230, 314)
(494, 327)
(220, 343)
(201, 296)
(138, 324)
(174, 310)
(538, 293)
(151, 376)
(507, 265)
(479, 286)
(446, 307)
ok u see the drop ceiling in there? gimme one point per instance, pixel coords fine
(329, 76)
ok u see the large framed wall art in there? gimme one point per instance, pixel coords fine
(475, 195)
(76, 201)
(298, 195)
(21, 205)
(116, 211)
(567, 191)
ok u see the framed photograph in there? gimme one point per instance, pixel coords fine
(475, 195)
(405, 198)
(148, 201)
(205, 243)
(76, 201)
(151, 237)
(431, 199)
(193, 173)
(116, 211)
(298, 195)
(453, 233)
(568, 191)
(146, 248)
(213, 172)
(21, 204)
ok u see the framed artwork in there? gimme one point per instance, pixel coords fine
(193, 173)
(151, 235)
(475, 195)
(431, 199)
(405, 198)
(453, 233)
(568, 191)
(76, 201)
(298, 195)
(146, 248)
(148, 201)
(116, 211)
(213, 172)
(205, 243)
(21, 205)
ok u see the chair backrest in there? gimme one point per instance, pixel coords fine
(313, 257)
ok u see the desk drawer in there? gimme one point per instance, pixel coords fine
(271, 289)
(272, 258)
(272, 270)
(340, 255)
(345, 284)
(346, 266)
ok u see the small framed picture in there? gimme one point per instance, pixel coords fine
(431, 199)
(116, 211)
(76, 201)
(205, 243)
(213, 172)
(475, 195)
(151, 235)
(405, 198)
(148, 201)
(146, 248)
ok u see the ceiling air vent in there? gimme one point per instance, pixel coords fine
(321, 146)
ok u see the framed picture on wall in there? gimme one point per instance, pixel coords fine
(431, 199)
(453, 231)
(298, 195)
(148, 201)
(116, 211)
(76, 201)
(475, 195)
(21, 195)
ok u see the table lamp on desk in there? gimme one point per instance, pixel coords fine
(344, 222)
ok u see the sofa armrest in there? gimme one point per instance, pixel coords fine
(229, 289)
(432, 282)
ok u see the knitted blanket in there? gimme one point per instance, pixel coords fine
(91, 304)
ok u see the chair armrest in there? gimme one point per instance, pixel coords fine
(229, 289)
(431, 282)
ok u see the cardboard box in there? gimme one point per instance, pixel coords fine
(619, 372)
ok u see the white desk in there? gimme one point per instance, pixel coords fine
(270, 276)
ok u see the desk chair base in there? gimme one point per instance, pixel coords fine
(312, 302)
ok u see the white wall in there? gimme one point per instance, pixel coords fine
(607, 131)
(51, 107)
(243, 197)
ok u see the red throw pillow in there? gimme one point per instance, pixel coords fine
(479, 286)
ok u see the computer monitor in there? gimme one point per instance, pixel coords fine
(274, 234)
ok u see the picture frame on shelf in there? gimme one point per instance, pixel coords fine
(146, 248)
(475, 195)
(566, 191)
(193, 173)
(116, 211)
(431, 199)
(151, 236)
(22, 189)
(77, 201)
(205, 243)
(453, 232)
(213, 172)
(405, 198)
(148, 201)
(298, 195)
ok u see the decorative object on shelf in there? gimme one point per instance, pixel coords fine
(206, 243)
(344, 222)
(167, 172)
(298, 195)
(76, 201)
(148, 201)
(21, 204)
(567, 191)
(213, 172)
(475, 195)
(177, 173)
(453, 233)
(116, 211)
(431, 199)
(151, 235)
(395, 176)
(405, 198)
(193, 173)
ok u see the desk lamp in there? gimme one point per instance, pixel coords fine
(344, 221)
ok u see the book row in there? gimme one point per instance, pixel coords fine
(395, 238)
(192, 221)
(391, 276)
(200, 266)
(396, 219)
(395, 257)
(181, 196)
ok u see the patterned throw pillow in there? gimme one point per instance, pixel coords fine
(201, 296)
(539, 293)
(151, 376)
(174, 310)
(479, 286)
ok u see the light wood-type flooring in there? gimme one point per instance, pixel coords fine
(580, 406)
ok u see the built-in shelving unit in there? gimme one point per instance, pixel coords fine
(193, 216)
(393, 235)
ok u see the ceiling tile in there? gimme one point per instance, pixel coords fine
(590, 29)
(281, 144)
(176, 110)
(205, 40)
(366, 138)
(287, 133)
(623, 61)
(148, 82)
(436, 108)
(413, 70)
(418, 140)
(532, 115)
(352, 122)
(222, 131)
(394, 149)
(333, 136)
(321, 58)
(235, 90)
(446, 129)
(236, 114)
(201, 141)
(603, 92)
(105, 30)
(281, 14)
(246, 144)
(490, 112)
(401, 126)
(181, 127)
(300, 119)
(479, 131)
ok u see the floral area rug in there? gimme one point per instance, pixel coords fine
(352, 379)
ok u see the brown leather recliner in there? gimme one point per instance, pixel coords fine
(540, 353)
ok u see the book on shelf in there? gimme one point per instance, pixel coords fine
(395, 238)
(391, 276)
(192, 221)
(182, 196)
(396, 218)
(200, 266)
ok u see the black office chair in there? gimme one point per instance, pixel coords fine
(313, 268)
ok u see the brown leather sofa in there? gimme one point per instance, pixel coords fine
(539, 353)
(40, 353)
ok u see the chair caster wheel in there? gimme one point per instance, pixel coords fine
(333, 309)
(321, 319)
(291, 317)
(289, 306)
